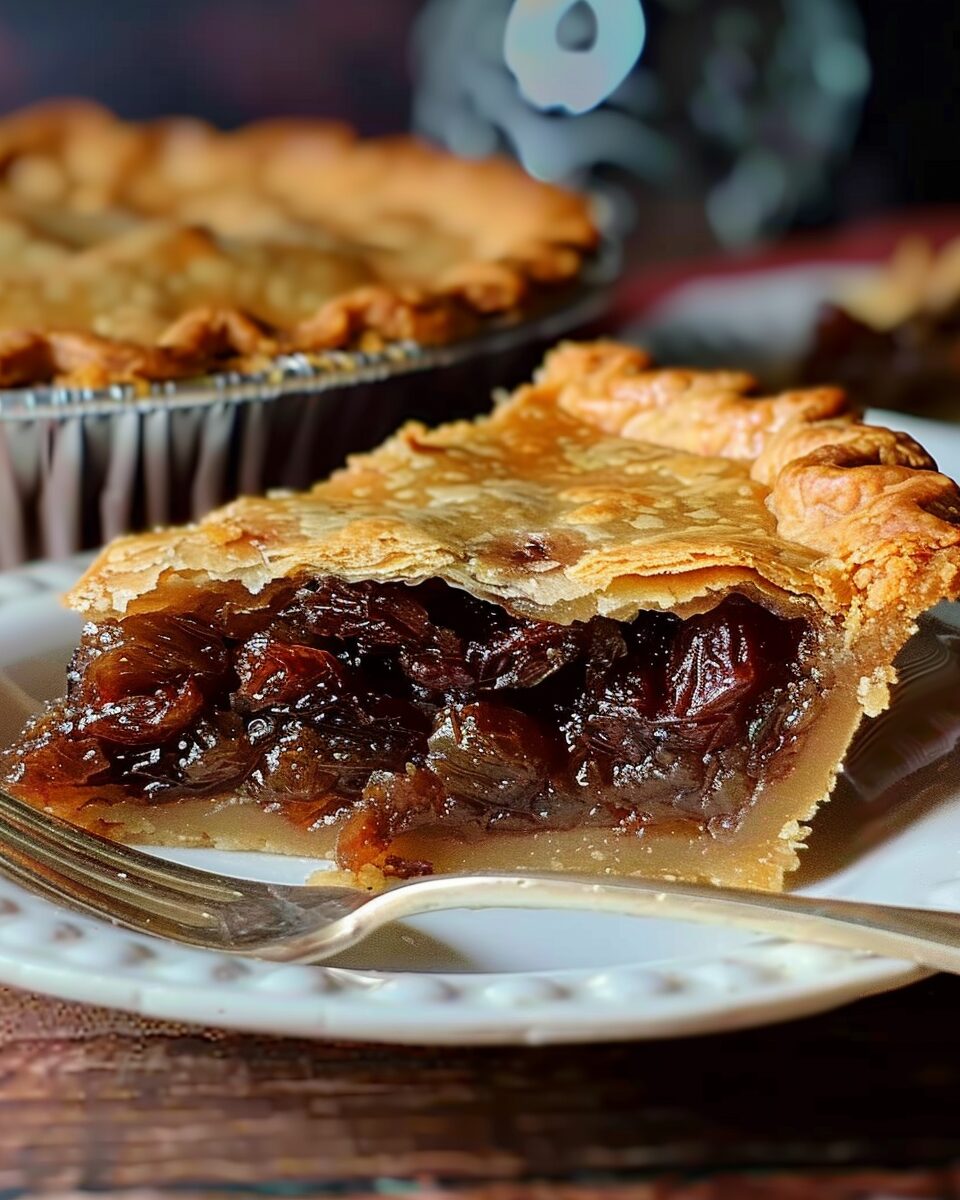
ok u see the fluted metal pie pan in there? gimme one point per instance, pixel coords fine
(78, 467)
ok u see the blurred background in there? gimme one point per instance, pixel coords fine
(702, 122)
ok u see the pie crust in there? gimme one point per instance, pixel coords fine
(605, 491)
(161, 250)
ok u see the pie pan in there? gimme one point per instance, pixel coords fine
(80, 466)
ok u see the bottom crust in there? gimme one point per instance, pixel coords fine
(758, 854)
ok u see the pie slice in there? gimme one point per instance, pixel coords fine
(627, 623)
(893, 340)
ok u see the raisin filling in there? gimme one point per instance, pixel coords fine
(385, 708)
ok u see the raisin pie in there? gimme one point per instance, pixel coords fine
(155, 251)
(893, 341)
(627, 623)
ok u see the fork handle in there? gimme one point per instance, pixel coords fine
(928, 937)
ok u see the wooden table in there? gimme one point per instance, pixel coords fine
(862, 1102)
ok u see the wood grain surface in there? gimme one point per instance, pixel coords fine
(863, 1102)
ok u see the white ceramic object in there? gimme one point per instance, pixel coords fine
(458, 977)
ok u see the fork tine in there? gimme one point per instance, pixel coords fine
(64, 891)
(45, 856)
(146, 867)
(38, 843)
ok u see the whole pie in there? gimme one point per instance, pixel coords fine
(160, 250)
(629, 622)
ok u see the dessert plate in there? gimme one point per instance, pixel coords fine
(891, 834)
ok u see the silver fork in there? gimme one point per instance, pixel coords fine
(309, 924)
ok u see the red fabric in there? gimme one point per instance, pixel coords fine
(863, 241)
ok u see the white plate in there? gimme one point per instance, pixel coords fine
(459, 977)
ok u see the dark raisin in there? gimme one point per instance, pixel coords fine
(287, 677)
(212, 758)
(51, 750)
(717, 664)
(440, 667)
(302, 766)
(525, 653)
(492, 754)
(378, 616)
(145, 720)
(616, 719)
(149, 650)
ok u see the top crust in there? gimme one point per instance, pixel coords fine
(603, 487)
(153, 251)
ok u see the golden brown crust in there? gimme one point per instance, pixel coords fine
(603, 487)
(165, 249)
